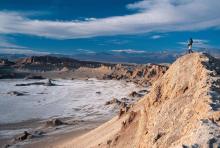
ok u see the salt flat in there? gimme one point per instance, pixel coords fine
(81, 99)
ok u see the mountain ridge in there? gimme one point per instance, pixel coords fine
(181, 110)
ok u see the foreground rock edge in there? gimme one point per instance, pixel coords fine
(181, 110)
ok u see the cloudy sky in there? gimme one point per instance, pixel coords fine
(90, 26)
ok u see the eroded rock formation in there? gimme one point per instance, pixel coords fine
(181, 110)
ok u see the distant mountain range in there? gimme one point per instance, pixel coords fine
(121, 57)
(12, 57)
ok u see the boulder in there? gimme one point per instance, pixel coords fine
(23, 136)
(49, 83)
(124, 99)
(143, 91)
(135, 94)
(54, 122)
(98, 92)
(15, 93)
(113, 101)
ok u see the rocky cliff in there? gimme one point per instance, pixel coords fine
(61, 67)
(181, 110)
(140, 74)
(50, 63)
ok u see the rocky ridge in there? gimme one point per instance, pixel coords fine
(39, 67)
(50, 63)
(181, 110)
(140, 74)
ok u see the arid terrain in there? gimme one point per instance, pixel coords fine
(109, 74)
(179, 109)
(56, 97)
(42, 67)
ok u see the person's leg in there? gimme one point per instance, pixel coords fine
(190, 49)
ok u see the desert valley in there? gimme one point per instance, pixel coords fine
(109, 74)
(60, 102)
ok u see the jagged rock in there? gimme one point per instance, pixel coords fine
(29, 84)
(158, 136)
(143, 91)
(16, 93)
(131, 116)
(109, 142)
(124, 99)
(123, 110)
(113, 101)
(51, 63)
(141, 75)
(64, 69)
(54, 122)
(23, 136)
(128, 121)
(123, 104)
(183, 104)
(6, 62)
(135, 94)
(98, 92)
(49, 83)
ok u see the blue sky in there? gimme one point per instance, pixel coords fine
(90, 26)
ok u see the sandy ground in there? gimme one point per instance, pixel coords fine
(53, 140)
(52, 136)
(17, 127)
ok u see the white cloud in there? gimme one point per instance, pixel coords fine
(85, 51)
(155, 16)
(21, 51)
(90, 19)
(5, 43)
(117, 42)
(141, 5)
(8, 47)
(129, 51)
(156, 37)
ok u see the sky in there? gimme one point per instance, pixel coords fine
(91, 26)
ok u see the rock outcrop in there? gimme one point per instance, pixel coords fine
(35, 67)
(143, 75)
(51, 63)
(5, 62)
(181, 110)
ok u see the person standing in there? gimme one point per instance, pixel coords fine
(190, 43)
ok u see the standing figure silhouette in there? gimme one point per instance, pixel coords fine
(190, 43)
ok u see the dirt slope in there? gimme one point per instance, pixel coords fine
(182, 110)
